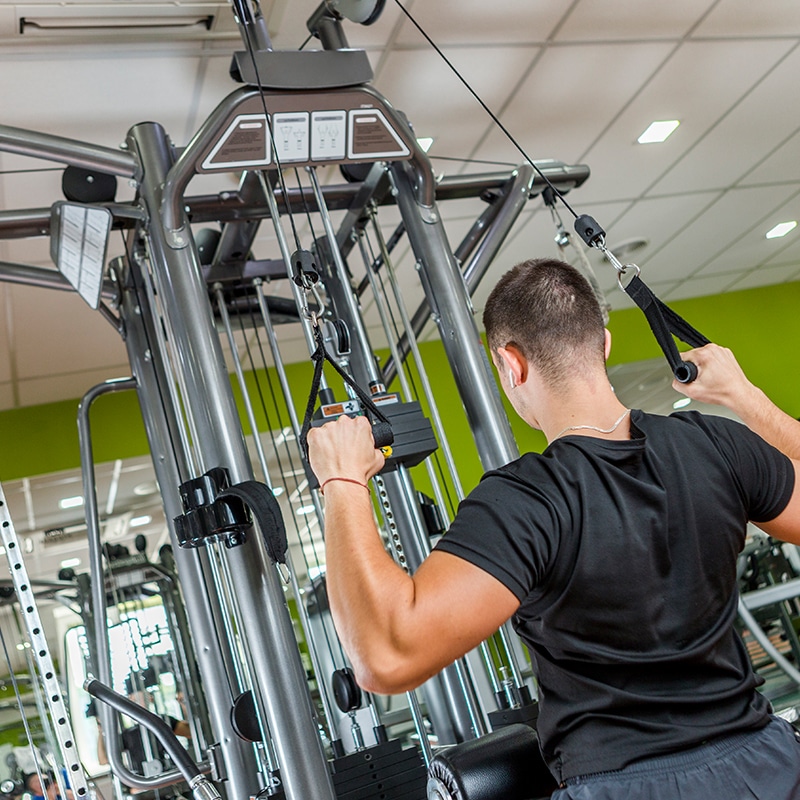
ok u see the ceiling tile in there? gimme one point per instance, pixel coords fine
(446, 99)
(631, 19)
(212, 86)
(96, 94)
(656, 219)
(772, 168)
(741, 138)
(787, 249)
(713, 230)
(766, 276)
(745, 18)
(61, 330)
(720, 73)
(753, 248)
(699, 287)
(476, 21)
(558, 112)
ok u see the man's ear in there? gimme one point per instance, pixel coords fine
(513, 363)
(607, 346)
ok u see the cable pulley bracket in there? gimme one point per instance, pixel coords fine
(304, 269)
(215, 510)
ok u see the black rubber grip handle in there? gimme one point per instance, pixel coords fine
(685, 372)
(382, 434)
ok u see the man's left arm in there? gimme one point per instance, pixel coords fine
(397, 629)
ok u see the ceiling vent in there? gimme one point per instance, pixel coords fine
(192, 20)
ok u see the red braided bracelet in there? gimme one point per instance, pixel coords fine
(345, 480)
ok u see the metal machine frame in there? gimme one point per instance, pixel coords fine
(167, 304)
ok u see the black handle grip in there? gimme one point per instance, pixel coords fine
(382, 434)
(685, 372)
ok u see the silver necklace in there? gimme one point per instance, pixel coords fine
(594, 427)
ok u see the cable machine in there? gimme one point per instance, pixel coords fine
(182, 297)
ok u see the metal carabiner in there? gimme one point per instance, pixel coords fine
(625, 269)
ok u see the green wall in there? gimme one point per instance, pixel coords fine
(762, 326)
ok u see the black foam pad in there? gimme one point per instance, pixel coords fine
(88, 185)
(503, 765)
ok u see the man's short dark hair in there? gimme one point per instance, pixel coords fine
(548, 310)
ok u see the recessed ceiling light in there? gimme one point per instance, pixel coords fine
(70, 502)
(658, 131)
(70, 562)
(305, 510)
(425, 142)
(781, 229)
(277, 491)
(681, 403)
(137, 522)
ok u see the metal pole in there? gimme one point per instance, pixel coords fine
(67, 151)
(448, 297)
(161, 417)
(103, 658)
(487, 235)
(280, 681)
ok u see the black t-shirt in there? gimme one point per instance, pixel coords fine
(623, 557)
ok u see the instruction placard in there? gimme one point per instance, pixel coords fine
(328, 135)
(290, 136)
(82, 242)
(245, 143)
(371, 136)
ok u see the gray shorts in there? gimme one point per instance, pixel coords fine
(757, 765)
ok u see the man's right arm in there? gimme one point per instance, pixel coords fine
(721, 381)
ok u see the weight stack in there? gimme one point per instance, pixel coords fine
(382, 772)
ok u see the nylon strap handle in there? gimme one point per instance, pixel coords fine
(381, 430)
(665, 323)
(264, 507)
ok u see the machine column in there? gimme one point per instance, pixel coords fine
(171, 468)
(451, 307)
(280, 688)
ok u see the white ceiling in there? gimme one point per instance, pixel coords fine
(574, 80)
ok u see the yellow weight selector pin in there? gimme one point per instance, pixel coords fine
(387, 450)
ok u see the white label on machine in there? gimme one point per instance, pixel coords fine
(372, 136)
(82, 242)
(290, 136)
(244, 144)
(328, 129)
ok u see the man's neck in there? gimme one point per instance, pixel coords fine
(585, 408)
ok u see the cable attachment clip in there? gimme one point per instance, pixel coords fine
(304, 269)
(588, 228)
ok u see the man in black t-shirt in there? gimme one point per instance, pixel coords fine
(614, 551)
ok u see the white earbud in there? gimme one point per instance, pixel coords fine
(511, 379)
